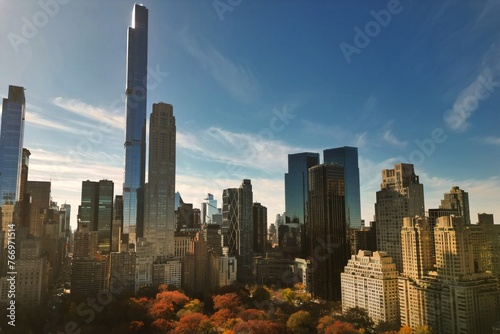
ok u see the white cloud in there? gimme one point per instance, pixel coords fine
(109, 118)
(236, 79)
(492, 140)
(480, 89)
(390, 138)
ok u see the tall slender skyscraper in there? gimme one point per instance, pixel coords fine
(135, 133)
(327, 230)
(401, 195)
(292, 234)
(159, 225)
(348, 157)
(11, 145)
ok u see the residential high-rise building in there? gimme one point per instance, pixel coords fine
(370, 281)
(24, 198)
(144, 264)
(457, 199)
(11, 145)
(237, 226)
(135, 132)
(327, 230)
(122, 272)
(416, 247)
(96, 211)
(159, 225)
(292, 234)
(259, 228)
(39, 192)
(401, 195)
(348, 157)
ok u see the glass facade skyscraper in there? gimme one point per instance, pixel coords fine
(11, 145)
(135, 135)
(348, 157)
(291, 234)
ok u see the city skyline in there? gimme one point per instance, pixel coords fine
(239, 115)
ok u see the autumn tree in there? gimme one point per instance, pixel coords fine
(405, 330)
(252, 314)
(261, 294)
(323, 323)
(193, 306)
(260, 326)
(423, 330)
(223, 319)
(194, 323)
(162, 326)
(229, 301)
(300, 322)
(341, 327)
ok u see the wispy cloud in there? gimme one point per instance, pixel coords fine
(36, 120)
(469, 99)
(238, 149)
(110, 118)
(491, 140)
(236, 79)
(390, 138)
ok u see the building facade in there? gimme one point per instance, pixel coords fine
(135, 132)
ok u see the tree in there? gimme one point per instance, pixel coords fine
(405, 330)
(423, 330)
(359, 318)
(341, 327)
(300, 322)
(260, 326)
(252, 314)
(194, 323)
(193, 306)
(261, 294)
(386, 327)
(223, 319)
(323, 323)
(229, 301)
(162, 325)
(289, 295)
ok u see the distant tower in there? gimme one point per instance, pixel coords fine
(401, 195)
(292, 234)
(348, 157)
(96, 211)
(135, 132)
(457, 199)
(237, 217)
(259, 228)
(327, 229)
(159, 225)
(11, 145)
(208, 208)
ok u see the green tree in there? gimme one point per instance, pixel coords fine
(300, 322)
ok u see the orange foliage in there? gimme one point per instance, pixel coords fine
(260, 326)
(162, 325)
(229, 301)
(339, 327)
(252, 314)
(223, 318)
(405, 330)
(324, 322)
(193, 323)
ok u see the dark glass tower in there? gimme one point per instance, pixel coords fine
(348, 157)
(11, 145)
(135, 135)
(292, 238)
(327, 232)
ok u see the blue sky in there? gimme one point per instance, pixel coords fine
(253, 81)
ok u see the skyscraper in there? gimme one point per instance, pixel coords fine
(135, 133)
(237, 222)
(327, 230)
(348, 157)
(457, 199)
(159, 226)
(11, 145)
(259, 228)
(401, 195)
(96, 210)
(208, 208)
(292, 234)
